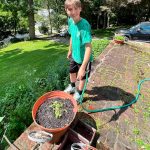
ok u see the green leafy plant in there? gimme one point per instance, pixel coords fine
(99, 45)
(136, 110)
(57, 108)
(142, 144)
(119, 37)
(136, 131)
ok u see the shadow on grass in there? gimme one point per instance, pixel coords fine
(11, 53)
(56, 44)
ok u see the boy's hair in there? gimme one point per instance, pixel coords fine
(76, 3)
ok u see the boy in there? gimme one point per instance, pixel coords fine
(80, 52)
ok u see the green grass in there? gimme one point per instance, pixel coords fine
(98, 46)
(107, 33)
(30, 57)
(104, 33)
(142, 144)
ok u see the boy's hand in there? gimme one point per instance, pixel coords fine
(81, 73)
(69, 54)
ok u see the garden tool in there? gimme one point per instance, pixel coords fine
(81, 146)
(78, 146)
(40, 137)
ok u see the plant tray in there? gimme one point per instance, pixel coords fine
(79, 132)
(70, 138)
(85, 132)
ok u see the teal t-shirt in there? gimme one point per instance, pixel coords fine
(80, 34)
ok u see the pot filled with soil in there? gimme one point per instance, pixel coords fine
(54, 112)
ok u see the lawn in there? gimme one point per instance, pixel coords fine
(30, 58)
(104, 33)
(107, 33)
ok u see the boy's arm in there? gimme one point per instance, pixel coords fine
(70, 49)
(88, 50)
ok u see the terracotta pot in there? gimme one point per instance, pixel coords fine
(119, 41)
(57, 132)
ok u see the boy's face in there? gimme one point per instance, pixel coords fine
(73, 12)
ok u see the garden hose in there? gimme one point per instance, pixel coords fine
(114, 107)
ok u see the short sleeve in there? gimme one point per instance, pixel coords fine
(69, 23)
(86, 34)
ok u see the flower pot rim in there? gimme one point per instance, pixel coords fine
(119, 41)
(53, 94)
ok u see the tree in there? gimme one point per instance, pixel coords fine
(57, 17)
(18, 9)
(130, 11)
(49, 16)
(146, 10)
(31, 19)
(58, 7)
(13, 8)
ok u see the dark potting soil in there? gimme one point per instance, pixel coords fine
(46, 116)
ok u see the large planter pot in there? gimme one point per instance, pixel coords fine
(57, 132)
(119, 41)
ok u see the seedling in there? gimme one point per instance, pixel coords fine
(57, 108)
(136, 131)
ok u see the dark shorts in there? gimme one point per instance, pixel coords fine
(74, 68)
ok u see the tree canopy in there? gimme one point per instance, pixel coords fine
(17, 15)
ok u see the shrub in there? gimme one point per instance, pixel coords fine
(15, 40)
(119, 37)
(23, 31)
(43, 29)
(99, 45)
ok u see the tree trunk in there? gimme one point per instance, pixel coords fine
(108, 20)
(105, 20)
(31, 20)
(49, 16)
(15, 27)
(57, 12)
(98, 17)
